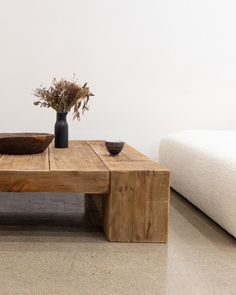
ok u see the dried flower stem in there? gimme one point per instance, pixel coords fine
(64, 95)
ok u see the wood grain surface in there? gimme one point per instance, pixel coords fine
(77, 169)
(36, 162)
(134, 189)
(137, 205)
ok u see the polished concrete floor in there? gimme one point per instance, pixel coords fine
(48, 245)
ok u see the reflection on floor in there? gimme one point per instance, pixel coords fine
(50, 245)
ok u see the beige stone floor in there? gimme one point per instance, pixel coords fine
(47, 246)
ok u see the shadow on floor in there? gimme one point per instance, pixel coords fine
(41, 214)
(65, 215)
(201, 222)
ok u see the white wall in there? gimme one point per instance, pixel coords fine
(156, 66)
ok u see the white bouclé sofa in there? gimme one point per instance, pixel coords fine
(203, 169)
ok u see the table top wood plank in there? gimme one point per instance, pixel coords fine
(36, 162)
(128, 153)
(133, 155)
(54, 181)
(78, 157)
(101, 151)
(76, 169)
(85, 166)
(129, 160)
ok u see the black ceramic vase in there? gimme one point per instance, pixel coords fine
(61, 131)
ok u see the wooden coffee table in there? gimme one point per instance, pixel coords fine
(134, 189)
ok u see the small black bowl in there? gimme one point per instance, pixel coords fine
(114, 147)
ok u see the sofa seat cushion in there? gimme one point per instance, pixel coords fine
(203, 170)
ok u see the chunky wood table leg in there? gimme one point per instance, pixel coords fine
(136, 209)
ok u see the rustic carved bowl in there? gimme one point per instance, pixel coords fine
(24, 143)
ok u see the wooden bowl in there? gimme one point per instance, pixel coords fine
(24, 143)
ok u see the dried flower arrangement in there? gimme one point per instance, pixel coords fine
(63, 95)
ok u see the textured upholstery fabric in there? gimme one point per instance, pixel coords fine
(203, 170)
